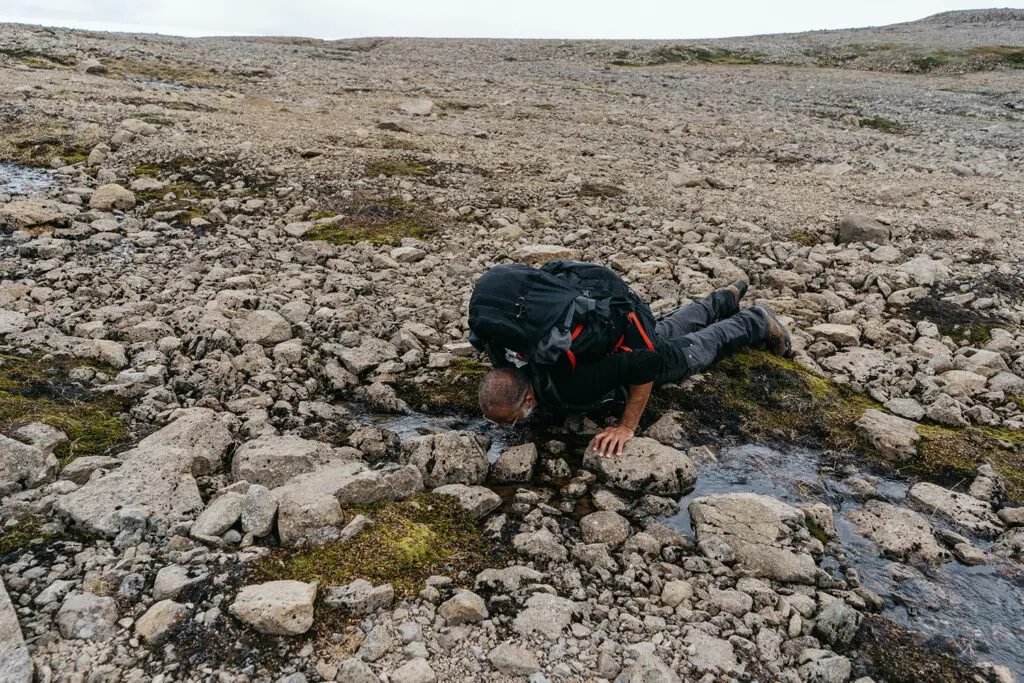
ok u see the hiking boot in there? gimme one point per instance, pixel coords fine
(737, 289)
(777, 341)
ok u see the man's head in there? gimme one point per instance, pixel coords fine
(506, 396)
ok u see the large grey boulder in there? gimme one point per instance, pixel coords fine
(414, 671)
(259, 510)
(540, 545)
(902, 534)
(87, 617)
(545, 615)
(893, 436)
(605, 527)
(302, 511)
(837, 624)
(708, 653)
(219, 516)
(157, 482)
(448, 458)
(21, 214)
(12, 321)
(200, 431)
(963, 511)
(266, 328)
(464, 607)
(758, 533)
(273, 460)
(24, 466)
(645, 466)
(512, 660)
(280, 608)
(15, 662)
(480, 501)
(515, 464)
(369, 354)
(155, 625)
(175, 580)
(80, 469)
(860, 228)
(112, 196)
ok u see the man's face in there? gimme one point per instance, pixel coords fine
(514, 414)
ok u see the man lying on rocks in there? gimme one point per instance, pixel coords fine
(573, 338)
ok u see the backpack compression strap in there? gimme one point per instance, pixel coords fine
(619, 346)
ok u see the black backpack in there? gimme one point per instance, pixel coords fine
(567, 308)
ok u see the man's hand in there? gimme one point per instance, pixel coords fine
(611, 440)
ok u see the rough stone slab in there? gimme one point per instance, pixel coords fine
(202, 432)
(755, 532)
(546, 615)
(157, 482)
(479, 500)
(273, 460)
(961, 510)
(894, 436)
(902, 534)
(450, 458)
(15, 662)
(283, 608)
(645, 466)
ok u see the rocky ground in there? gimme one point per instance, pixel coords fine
(227, 264)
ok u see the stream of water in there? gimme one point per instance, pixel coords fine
(16, 179)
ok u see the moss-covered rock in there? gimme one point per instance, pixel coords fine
(452, 390)
(408, 542)
(951, 456)
(900, 656)
(38, 389)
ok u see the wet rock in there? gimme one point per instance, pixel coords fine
(708, 653)
(219, 516)
(512, 660)
(87, 617)
(282, 608)
(515, 464)
(22, 214)
(112, 196)
(860, 228)
(1010, 545)
(755, 532)
(157, 622)
(963, 511)
(259, 509)
(360, 597)
(969, 555)
(837, 624)
(479, 500)
(15, 662)
(273, 460)
(894, 436)
(605, 527)
(545, 615)
(902, 534)
(464, 607)
(156, 481)
(645, 466)
(448, 458)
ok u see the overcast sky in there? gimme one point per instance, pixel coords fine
(475, 18)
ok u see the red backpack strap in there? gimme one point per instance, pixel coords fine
(636, 321)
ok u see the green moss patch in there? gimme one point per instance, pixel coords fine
(30, 534)
(34, 389)
(954, 320)
(383, 222)
(165, 72)
(901, 656)
(699, 54)
(397, 167)
(39, 144)
(884, 125)
(408, 542)
(452, 390)
(952, 456)
(757, 396)
(389, 142)
(803, 237)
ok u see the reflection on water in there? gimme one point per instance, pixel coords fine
(980, 609)
(23, 180)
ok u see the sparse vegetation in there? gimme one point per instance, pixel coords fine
(600, 190)
(396, 167)
(377, 222)
(883, 124)
(453, 389)
(408, 542)
(38, 389)
(164, 72)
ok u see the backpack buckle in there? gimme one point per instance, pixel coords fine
(520, 308)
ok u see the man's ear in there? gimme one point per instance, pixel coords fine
(529, 400)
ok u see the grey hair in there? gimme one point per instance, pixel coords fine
(503, 391)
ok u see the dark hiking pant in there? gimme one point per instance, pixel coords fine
(695, 336)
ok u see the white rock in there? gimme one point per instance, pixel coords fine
(479, 500)
(88, 617)
(282, 608)
(15, 662)
(960, 509)
(893, 436)
(645, 466)
(156, 623)
(112, 196)
(464, 607)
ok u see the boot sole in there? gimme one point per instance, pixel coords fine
(788, 351)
